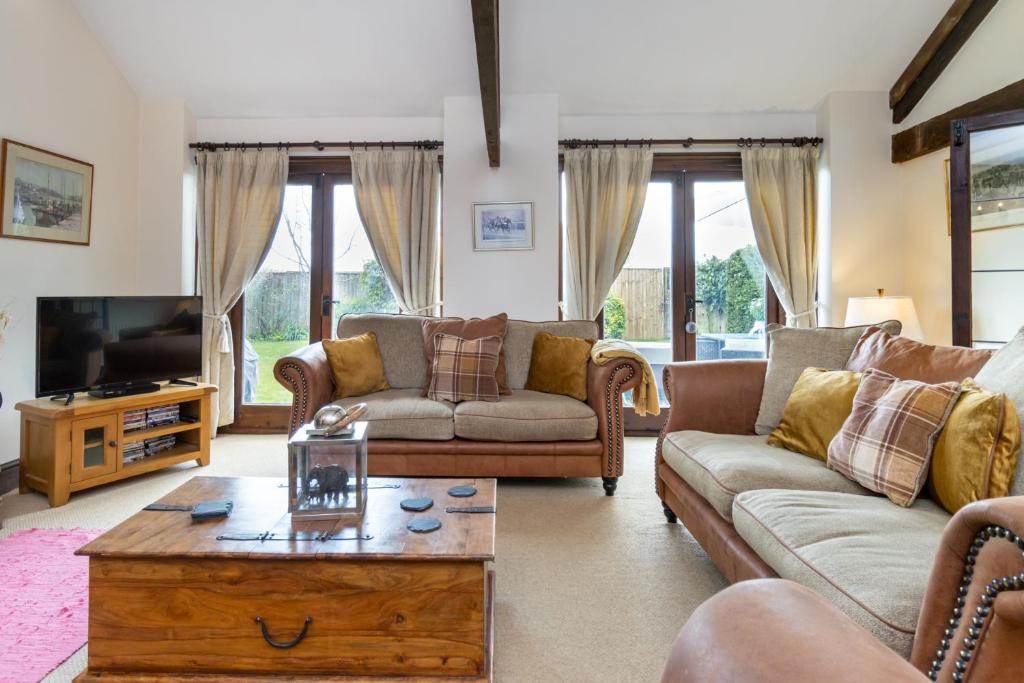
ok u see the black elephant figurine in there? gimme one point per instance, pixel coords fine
(331, 483)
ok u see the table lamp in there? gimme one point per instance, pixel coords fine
(870, 310)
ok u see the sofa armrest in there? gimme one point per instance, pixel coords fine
(307, 374)
(605, 386)
(975, 598)
(720, 396)
(772, 630)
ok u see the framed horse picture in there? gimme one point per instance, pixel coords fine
(45, 196)
(502, 226)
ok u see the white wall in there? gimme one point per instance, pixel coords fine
(65, 96)
(765, 124)
(166, 234)
(991, 59)
(862, 248)
(325, 129)
(523, 284)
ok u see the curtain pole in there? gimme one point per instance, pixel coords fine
(317, 145)
(575, 143)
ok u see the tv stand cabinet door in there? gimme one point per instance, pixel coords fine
(94, 447)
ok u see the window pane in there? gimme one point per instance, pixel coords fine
(359, 283)
(639, 306)
(277, 301)
(730, 275)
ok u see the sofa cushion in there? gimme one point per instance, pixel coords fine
(356, 365)
(1004, 374)
(886, 443)
(719, 466)
(792, 350)
(519, 343)
(867, 556)
(400, 340)
(464, 369)
(909, 359)
(559, 365)
(526, 416)
(474, 328)
(404, 414)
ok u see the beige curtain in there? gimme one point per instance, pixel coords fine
(239, 199)
(397, 195)
(605, 192)
(781, 186)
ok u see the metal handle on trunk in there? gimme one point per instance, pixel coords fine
(291, 643)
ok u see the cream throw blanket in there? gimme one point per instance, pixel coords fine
(645, 394)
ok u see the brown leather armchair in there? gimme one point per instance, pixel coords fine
(971, 626)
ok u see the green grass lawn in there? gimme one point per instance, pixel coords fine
(267, 388)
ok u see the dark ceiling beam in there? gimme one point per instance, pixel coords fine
(933, 134)
(959, 22)
(485, 29)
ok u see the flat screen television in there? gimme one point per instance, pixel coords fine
(94, 343)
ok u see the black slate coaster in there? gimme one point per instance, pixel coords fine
(417, 504)
(462, 491)
(424, 525)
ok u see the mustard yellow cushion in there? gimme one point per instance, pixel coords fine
(976, 453)
(559, 365)
(356, 365)
(818, 406)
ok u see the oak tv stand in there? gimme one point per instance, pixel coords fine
(73, 447)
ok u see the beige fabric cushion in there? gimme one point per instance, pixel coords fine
(791, 351)
(720, 466)
(404, 414)
(1004, 374)
(519, 343)
(867, 556)
(526, 416)
(400, 340)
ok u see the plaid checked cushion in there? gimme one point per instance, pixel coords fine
(463, 369)
(886, 442)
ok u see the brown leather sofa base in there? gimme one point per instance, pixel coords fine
(463, 458)
(730, 553)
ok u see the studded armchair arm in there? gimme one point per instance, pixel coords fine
(307, 374)
(605, 386)
(972, 620)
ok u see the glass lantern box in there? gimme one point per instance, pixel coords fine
(327, 474)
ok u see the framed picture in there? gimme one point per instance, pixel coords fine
(500, 226)
(46, 196)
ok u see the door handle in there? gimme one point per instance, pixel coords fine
(325, 305)
(691, 314)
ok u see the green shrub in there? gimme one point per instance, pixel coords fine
(614, 318)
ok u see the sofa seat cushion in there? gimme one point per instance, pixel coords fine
(404, 414)
(526, 416)
(720, 466)
(869, 557)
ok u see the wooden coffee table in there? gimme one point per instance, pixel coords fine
(170, 598)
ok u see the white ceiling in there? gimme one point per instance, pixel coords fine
(307, 58)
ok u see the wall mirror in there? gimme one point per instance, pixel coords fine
(987, 218)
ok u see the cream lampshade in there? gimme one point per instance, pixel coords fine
(869, 310)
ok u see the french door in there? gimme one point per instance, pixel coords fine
(693, 286)
(319, 266)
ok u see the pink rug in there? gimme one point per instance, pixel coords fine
(44, 600)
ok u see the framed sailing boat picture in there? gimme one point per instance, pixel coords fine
(46, 196)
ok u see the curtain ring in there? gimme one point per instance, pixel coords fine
(763, 143)
(259, 146)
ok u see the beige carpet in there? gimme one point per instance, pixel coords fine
(589, 588)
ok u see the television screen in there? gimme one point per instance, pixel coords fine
(88, 342)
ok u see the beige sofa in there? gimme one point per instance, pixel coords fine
(763, 512)
(526, 434)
